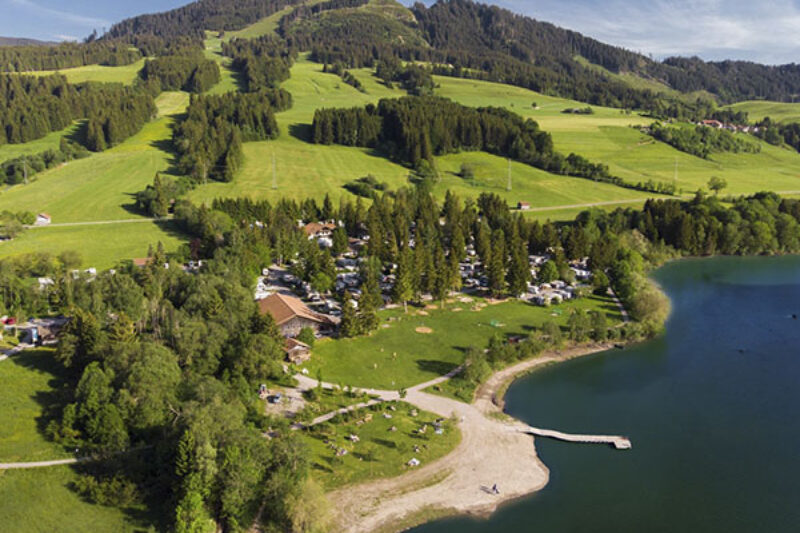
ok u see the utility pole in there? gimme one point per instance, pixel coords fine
(274, 174)
(205, 174)
(25, 169)
(508, 186)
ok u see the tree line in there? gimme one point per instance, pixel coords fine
(415, 129)
(186, 70)
(35, 106)
(22, 168)
(702, 141)
(66, 55)
(209, 140)
(263, 62)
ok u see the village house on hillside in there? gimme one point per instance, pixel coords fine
(42, 219)
(291, 315)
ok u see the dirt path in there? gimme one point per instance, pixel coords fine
(491, 451)
(40, 464)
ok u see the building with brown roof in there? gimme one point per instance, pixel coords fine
(291, 315)
(316, 230)
(297, 352)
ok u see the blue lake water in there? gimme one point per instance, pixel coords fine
(712, 408)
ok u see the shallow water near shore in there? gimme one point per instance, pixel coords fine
(711, 408)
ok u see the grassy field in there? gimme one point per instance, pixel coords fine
(397, 356)
(41, 501)
(380, 452)
(99, 188)
(777, 111)
(304, 169)
(31, 381)
(229, 78)
(101, 246)
(606, 136)
(48, 142)
(125, 74)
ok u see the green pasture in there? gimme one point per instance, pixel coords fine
(50, 141)
(777, 111)
(101, 187)
(124, 74)
(101, 246)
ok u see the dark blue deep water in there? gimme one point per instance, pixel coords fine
(712, 408)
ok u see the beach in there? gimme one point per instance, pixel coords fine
(492, 452)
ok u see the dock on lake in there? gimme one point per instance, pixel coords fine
(620, 443)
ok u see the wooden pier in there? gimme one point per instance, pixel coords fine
(620, 443)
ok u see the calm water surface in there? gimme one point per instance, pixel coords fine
(712, 408)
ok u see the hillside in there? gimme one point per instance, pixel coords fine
(20, 41)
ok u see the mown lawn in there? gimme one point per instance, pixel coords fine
(397, 356)
(380, 451)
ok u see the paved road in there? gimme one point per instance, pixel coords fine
(14, 351)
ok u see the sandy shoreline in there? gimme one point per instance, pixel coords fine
(491, 451)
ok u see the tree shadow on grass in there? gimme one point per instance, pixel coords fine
(384, 442)
(51, 401)
(300, 131)
(322, 468)
(435, 367)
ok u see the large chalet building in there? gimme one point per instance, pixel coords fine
(291, 315)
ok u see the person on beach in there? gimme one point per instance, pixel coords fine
(494, 489)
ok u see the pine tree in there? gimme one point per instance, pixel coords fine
(497, 263)
(403, 289)
(349, 326)
(518, 270)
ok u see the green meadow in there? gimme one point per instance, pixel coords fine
(125, 74)
(41, 500)
(398, 356)
(777, 111)
(97, 189)
(50, 141)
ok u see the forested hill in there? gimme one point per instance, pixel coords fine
(18, 41)
(505, 46)
(194, 18)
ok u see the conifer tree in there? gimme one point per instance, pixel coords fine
(497, 263)
(403, 289)
(349, 326)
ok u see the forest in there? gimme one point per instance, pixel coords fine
(187, 71)
(264, 62)
(209, 140)
(66, 55)
(194, 18)
(36, 106)
(702, 141)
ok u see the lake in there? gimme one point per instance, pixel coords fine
(711, 408)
